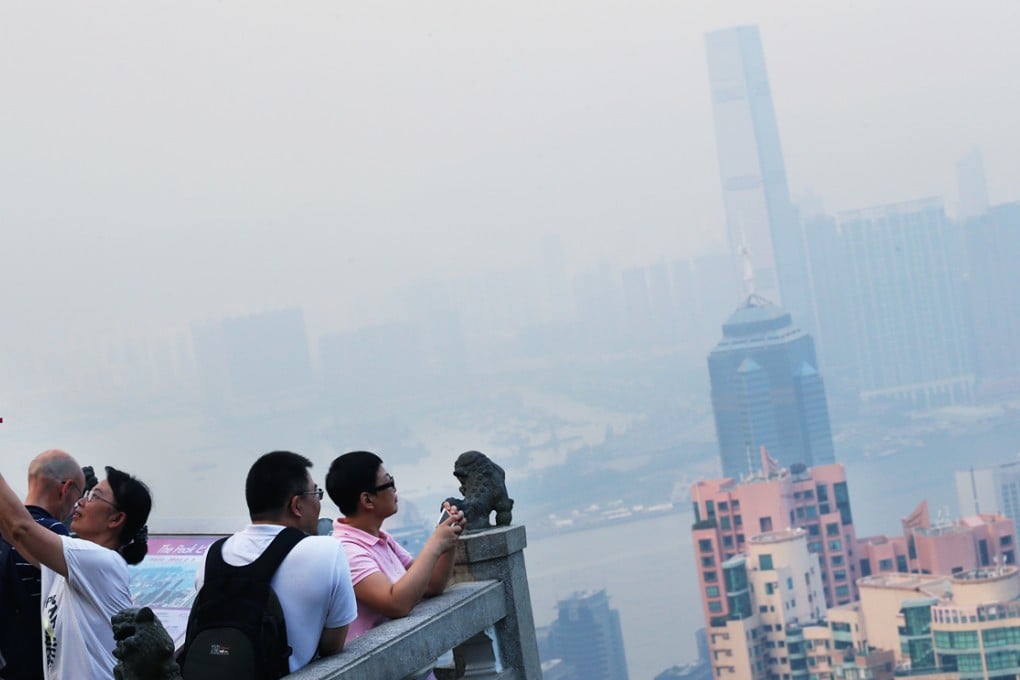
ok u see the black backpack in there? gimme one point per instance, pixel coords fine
(20, 615)
(236, 627)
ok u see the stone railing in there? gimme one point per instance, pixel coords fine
(484, 617)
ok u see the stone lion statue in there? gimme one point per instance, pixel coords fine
(145, 651)
(483, 484)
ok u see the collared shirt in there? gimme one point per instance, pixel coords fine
(367, 555)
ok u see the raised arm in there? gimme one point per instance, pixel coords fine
(38, 545)
(443, 569)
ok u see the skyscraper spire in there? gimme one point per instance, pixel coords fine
(744, 251)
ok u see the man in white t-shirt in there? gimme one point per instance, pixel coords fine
(313, 583)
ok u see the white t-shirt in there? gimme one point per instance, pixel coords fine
(76, 611)
(313, 585)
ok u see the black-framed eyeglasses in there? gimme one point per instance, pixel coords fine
(317, 492)
(391, 483)
(91, 495)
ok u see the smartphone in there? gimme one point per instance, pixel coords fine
(443, 516)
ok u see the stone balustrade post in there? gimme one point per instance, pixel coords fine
(498, 553)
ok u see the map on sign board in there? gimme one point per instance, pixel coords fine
(165, 579)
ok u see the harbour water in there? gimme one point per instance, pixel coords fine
(647, 569)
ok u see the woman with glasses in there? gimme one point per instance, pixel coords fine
(388, 582)
(85, 579)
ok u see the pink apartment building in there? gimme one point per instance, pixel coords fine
(729, 513)
(814, 503)
(945, 548)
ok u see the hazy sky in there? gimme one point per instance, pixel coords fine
(167, 161)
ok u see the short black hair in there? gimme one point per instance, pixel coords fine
(273, 480)
(349, 476)
(132, 497)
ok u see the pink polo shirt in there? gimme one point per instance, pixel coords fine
(366, 555)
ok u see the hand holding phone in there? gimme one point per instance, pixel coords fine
(443, 516)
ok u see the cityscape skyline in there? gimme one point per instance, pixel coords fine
(173, 190)
(504, 229)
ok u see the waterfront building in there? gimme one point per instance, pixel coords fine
(994, 489)
(767, 392)
(832, 286)
(904, 269)
(946, 546)
(587, 636)
(761, 220)
(993, 296)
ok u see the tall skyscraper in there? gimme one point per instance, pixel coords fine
(587, 636)
(767, 391)
(760, 218)
(904, 268)
(993, 296)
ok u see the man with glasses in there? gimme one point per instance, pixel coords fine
(55, 483)
(313, 583)
(388, 581)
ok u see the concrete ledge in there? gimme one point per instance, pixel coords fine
(492, 543)
(399, 647)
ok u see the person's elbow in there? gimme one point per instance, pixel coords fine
(435, 589)
(332, 641)
(396, 609)
(20, 532)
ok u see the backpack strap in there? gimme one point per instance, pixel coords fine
(265, 566)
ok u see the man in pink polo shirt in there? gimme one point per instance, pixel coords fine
(388, 582)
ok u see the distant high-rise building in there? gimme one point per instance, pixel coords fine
(374, 365)
(598, 301)
(993, 490)
(993, 296)
(556, 292)
(971, 187)
(903, 271)
(694, 670)
(637, 303)
(767, 392)
(252, 365)
(832, 287)
(760, 217)
(665, 324)
(587, 636)
(704, 292)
